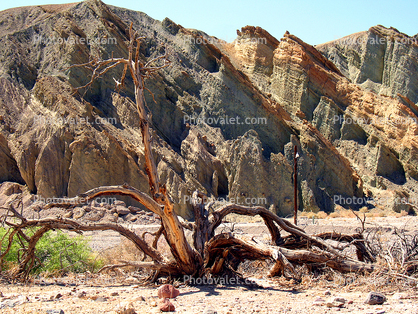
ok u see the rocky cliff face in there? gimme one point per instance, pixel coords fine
(383, 60)
(225, 118)
(351, 137)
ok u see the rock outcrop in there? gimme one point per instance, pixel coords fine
(225, 118)
(382, 59)
(369, 136)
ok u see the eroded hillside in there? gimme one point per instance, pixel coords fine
(283, 92)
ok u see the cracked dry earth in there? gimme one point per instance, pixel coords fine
(272, 298)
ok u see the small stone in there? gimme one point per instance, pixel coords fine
(121, 210)
(327, 292)
(336, 302)
(114, 294)
(333, 304)
(68, 214)
(101, 299)
(82, 294)
(168, 291)
(340, 300)
(375, 298)
(319, 302)
(153, 303)
(125, 309)
(166, 306)
(119, 203)
(209, 310)
(58, 296)
(134, 209)
(54, 312)
(132, 219)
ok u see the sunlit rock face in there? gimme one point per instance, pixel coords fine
(225, 116)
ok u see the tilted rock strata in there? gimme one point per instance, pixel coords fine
(62, 143)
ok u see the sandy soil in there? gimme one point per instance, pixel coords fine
(100, 297)
(105, 294)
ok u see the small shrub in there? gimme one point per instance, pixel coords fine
(403, 213)
(56, 253)
(364, 210)
(333, 215)
(322, 215)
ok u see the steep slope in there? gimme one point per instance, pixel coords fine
(225, 118)
(375, 134)
(64, 144)
(382, 59)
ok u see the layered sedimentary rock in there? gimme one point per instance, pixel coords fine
(381, 59)
(372, 136)
(225, 119)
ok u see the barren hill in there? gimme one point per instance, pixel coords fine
(226, 116)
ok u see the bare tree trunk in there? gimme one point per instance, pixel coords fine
(150, 166)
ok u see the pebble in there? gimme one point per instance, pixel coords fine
(168, 291)
(82, 294)
(374, 298)
(339, 299)
(319, 302)
(101, 299)
(166, 306)
(209, 310)
(153, 303)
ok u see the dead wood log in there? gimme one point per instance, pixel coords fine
(357, 240)
(244, 250)
(218, 215)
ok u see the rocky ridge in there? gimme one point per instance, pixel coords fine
(373, 134)
(60, 144)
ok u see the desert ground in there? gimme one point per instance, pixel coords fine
(121, 292)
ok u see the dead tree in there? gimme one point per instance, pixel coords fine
(210, 252)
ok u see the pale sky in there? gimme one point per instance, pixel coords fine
(313, 21)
